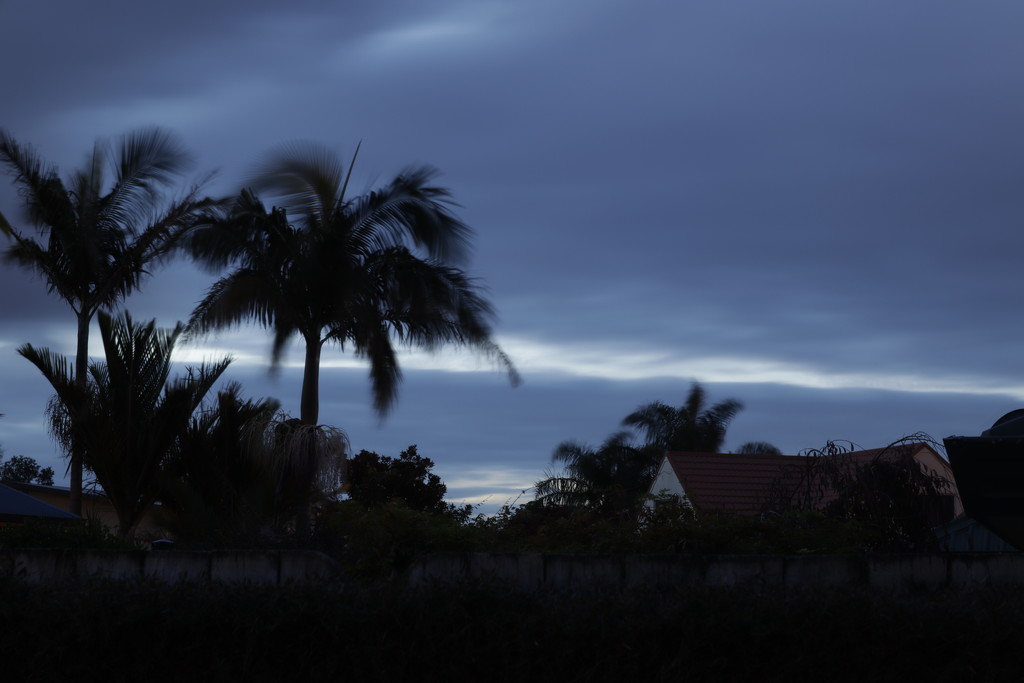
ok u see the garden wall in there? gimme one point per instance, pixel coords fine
(534, 572)
(571, 572)
(266, 567)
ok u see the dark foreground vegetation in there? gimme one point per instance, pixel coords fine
(118, 631)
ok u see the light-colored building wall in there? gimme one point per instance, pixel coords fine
(94, 506)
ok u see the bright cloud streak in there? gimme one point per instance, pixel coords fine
(612, 361)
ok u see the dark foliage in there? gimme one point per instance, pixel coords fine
(130, 415)
(89, 534)
(374, 480)
(612, 480)
(378, 543)
(693, 426)
(21, 468)
(609, 481)
(891, 496)
(758, 448)
(667, 527)
(216, 486)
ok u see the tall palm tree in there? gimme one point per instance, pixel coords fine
(130, 417)
(610, 480)
(691, 427)
(362, 271)
(100, 231)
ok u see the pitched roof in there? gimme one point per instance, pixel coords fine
(728, 482)
(744, 484)
(16, 506)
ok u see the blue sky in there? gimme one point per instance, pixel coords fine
(812, 207)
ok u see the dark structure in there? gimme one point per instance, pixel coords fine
(989, 471)
(17, 508)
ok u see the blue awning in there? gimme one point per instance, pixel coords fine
(16, 506)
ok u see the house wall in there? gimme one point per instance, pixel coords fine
(932, 463)
(94, 507)
(666, 481)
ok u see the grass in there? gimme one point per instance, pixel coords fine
(153, 632)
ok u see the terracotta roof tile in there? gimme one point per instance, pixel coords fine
(742, 484)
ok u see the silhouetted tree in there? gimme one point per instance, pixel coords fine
(309, 464)
(373, 480)
(335, 269)
(21, 468)
(219, 485)
(101, 231)
(610, 480)
(129, 417)
(691, 427)
(890, 496)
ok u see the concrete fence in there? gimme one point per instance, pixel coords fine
(533, 572)
(266, 567)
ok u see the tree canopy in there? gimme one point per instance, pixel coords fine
(374, 480)
(362, 272)
(21, 468)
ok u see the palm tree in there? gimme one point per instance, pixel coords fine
(214, 486)
(129, 418)
(691, 427)
(98, 237)
(610, 480)
(363, 272)
(244, 473)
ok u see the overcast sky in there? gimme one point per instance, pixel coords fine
(813, 207)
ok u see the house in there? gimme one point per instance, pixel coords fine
(752, 485)
(94, 506)
(16, 508)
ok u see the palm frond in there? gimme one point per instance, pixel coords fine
(306, 178)
(45, 200)
(240, 296)
(410, 209)
(146, 159)
(56, 369)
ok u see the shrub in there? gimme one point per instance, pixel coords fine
(90, 533)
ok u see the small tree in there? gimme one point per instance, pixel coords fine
(21, 468)
(129, 417)
(375, 480)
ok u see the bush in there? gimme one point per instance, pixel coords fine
(379, 542)
(87, 534)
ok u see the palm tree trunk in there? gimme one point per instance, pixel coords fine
(309, 413)
(309, 408)
(81, 369)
